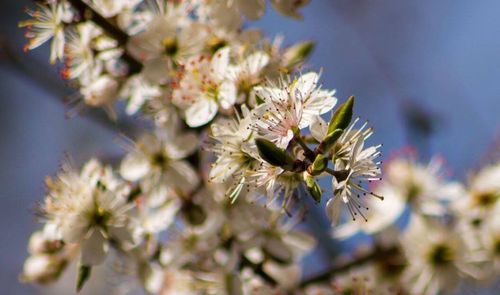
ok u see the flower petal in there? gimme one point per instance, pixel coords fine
(201, 112)
(134, 167)
(94, 249)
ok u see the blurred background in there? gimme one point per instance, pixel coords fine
(426, 73)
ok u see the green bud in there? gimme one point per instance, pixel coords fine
(313, 187)
(83, 275)
(319, 165)
(329, 141)
(342, 116)
(297, 53)
(273, 154)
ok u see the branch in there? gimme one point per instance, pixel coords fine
(31, 69)
(378, 253)
(110, 29)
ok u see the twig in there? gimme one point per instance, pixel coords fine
(86, 12)
(378, 253)
(31, 69)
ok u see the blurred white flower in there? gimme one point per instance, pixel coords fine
(204, 88)
(424, 187)
(235, 150)
(248, 73)
(110, 8)
(102, 92)
(48, 23)
(90, 209)
(138, 91)
(289, 7)
(157, 162)
(483, 195)
(166, 43)
(42, 268)
(437, 258)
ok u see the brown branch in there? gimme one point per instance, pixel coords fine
(113, 31)
(326, 275)
(88, 13)
(31, 69)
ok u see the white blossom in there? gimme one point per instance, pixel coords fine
(158, 162)
(204, 89)
(360, 166)
(290, 106)
(437, 258)
(90, 209)
(48, 23)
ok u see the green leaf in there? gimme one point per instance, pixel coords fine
(297, 53)
(273, 154)
(83, 275)
(319, 165)
(342, 116)
(329, 141)
(313, 188)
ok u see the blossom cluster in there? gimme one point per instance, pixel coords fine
(209, 198)
(452, 235)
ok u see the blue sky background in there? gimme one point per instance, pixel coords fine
(442, 57)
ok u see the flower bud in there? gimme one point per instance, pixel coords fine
(296, 54)
(39, 243)
(329, 141)
(319, 165)
(313, 187)
(342, 116)
(273, 154)
(42, 269)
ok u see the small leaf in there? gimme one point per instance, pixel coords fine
(342, 116)
(313, 187)
(273, 154)
(319, 165)
(83, 275)
(329, 141)
(297, 53)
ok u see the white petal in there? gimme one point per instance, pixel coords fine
(223, 168)
(220, 63)
(277, 248)
(201, 112)
(270, 94)
(333, 209)
(227, 95)
(286, 275)
(161, 218)
(318, 128)
(182, 145)
(256, 62)
(157, 70)
(73, 229)
(181, 175)
(319, 102)
(134, 167)
(252, 9)
(306, 83)
(299, 241)
(346, 230)
(94, 249)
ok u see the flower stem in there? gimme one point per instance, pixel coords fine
(307, 151)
